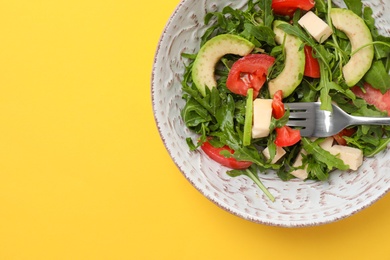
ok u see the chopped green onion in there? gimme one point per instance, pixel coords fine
(247, 137)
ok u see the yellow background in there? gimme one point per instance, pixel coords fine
(83, 172)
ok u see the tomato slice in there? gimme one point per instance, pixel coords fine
(277, 105)
(215, 154)
(288, 7)
(286, 136)
(345, 132)
(312, 67)
(374, 97)
(249, 72)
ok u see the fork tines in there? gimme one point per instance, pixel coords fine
(300, 116)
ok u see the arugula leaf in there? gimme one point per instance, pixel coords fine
(260, 33)
(383, 143)
(378, 77)
(355, 6)
(322, 155)
(321, 6)
(193, 114)
(382, 47)
(317, 170)
(370, 21)
(252, 174)
(369, 139)
(267, 14)
(254, 24)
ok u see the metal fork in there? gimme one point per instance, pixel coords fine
(314, 122)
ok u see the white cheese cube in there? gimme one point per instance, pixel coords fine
(262, 112)
(280, 152)
(315, 26)
(300, 173)
(351, 156)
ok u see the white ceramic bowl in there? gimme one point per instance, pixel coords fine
(297, 203)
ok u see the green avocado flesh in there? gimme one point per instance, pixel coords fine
(359, 35)
(209, 55)
(292, 73)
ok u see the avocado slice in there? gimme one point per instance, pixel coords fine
(292, 73)
(359, 35)
(211, 52)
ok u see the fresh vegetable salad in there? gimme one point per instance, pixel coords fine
(253, 61)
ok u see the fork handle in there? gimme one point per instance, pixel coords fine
(363, 120)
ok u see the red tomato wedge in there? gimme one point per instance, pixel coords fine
(215, 154)
(374, 97)
(249, 72)
(288, 7)
(277, 105)
(312, 67)
(285, 136)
